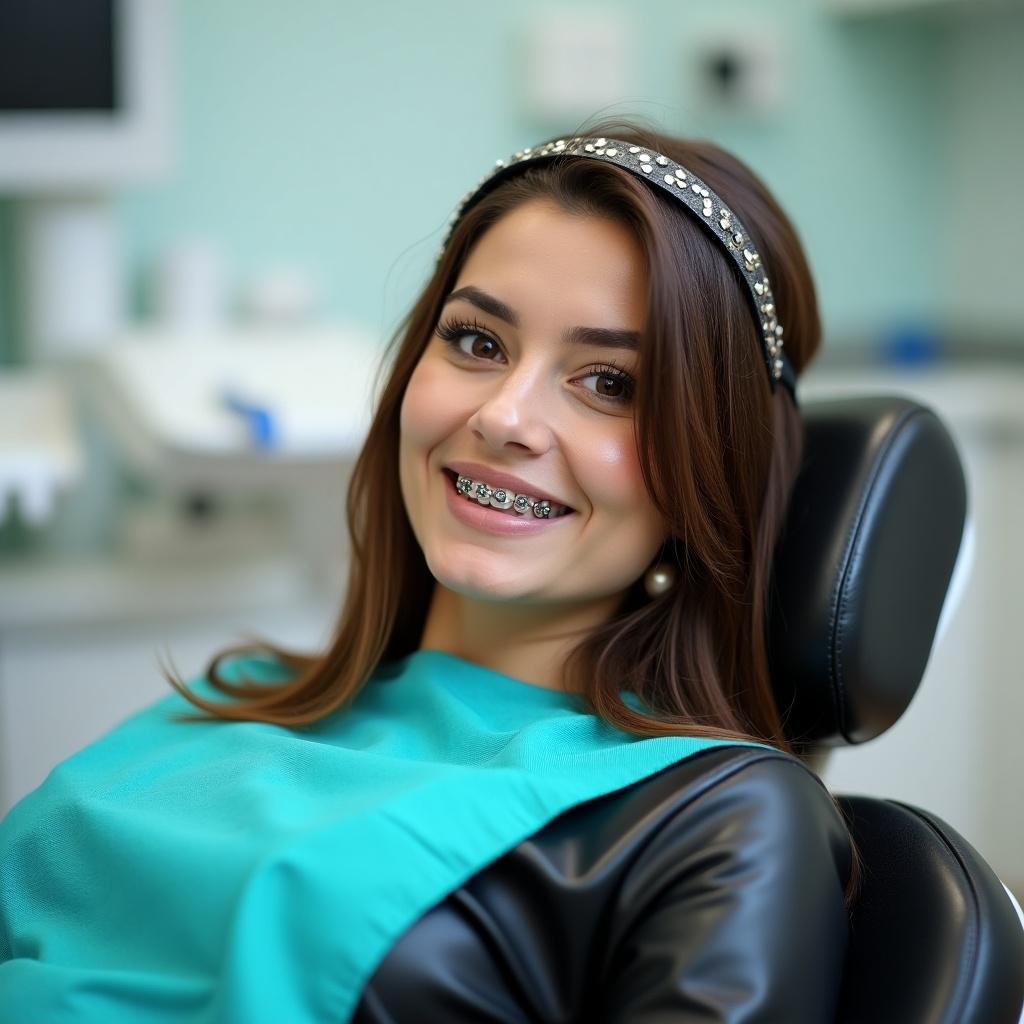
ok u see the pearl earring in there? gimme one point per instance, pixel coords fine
(659, 579)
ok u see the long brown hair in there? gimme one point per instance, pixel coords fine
(719, 451)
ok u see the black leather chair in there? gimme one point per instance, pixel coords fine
(861, 575)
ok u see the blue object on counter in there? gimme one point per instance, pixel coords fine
(259, 420)
(911, 346)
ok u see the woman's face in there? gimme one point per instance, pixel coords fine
(529, 382)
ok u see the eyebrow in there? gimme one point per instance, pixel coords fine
(605, 337)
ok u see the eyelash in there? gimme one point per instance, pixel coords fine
(451, 331)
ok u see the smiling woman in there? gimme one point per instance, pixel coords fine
(528, 390)
(588, 334)
(538, 773)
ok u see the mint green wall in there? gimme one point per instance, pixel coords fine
(984, 211)
(337, 138)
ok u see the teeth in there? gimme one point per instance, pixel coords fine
(499, 497)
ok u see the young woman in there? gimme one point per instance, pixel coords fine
(539, 773)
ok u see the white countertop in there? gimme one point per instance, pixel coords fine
(968, 395)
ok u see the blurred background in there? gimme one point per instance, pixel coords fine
(214, 214)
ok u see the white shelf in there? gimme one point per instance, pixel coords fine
(882, 8)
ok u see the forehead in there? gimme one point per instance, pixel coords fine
(545, 262)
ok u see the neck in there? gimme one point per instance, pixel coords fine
(527, 642)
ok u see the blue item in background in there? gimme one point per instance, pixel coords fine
(259, 420)
(912, 345)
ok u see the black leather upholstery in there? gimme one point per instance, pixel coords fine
(861, 574)
(709, 892)
(934, 940)
(862, 569)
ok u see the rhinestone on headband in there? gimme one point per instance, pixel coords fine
(683, 185)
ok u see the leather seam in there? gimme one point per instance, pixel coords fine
(841, 589)
(730, 769)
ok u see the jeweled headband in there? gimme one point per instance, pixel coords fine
(684, 186)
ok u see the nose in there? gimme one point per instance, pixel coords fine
(516, 412)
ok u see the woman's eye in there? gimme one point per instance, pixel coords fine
(480, 345)
(608, 387)
(611, 386)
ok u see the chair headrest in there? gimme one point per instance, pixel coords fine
(863, 565)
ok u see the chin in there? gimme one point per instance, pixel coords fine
(473, 578)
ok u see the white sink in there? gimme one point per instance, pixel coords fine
(242, 408)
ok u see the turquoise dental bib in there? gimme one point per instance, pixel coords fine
(242, 872)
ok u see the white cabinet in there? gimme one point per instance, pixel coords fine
(63, 686)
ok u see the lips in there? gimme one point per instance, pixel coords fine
(509, 481)
(505, 501)
(496, 521)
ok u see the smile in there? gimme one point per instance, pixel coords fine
(505, 500)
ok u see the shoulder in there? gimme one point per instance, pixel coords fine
(762, 810)
(736, 889)
(768, 778)
(768, 802)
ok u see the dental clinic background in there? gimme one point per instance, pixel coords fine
(203, 255)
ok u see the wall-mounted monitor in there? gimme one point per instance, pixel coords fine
(85, 94)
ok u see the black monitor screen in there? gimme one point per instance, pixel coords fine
(58, 55)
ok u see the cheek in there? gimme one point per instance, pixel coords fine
(616, 489)
(424, 418)
(612, 469)
(414, 419)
